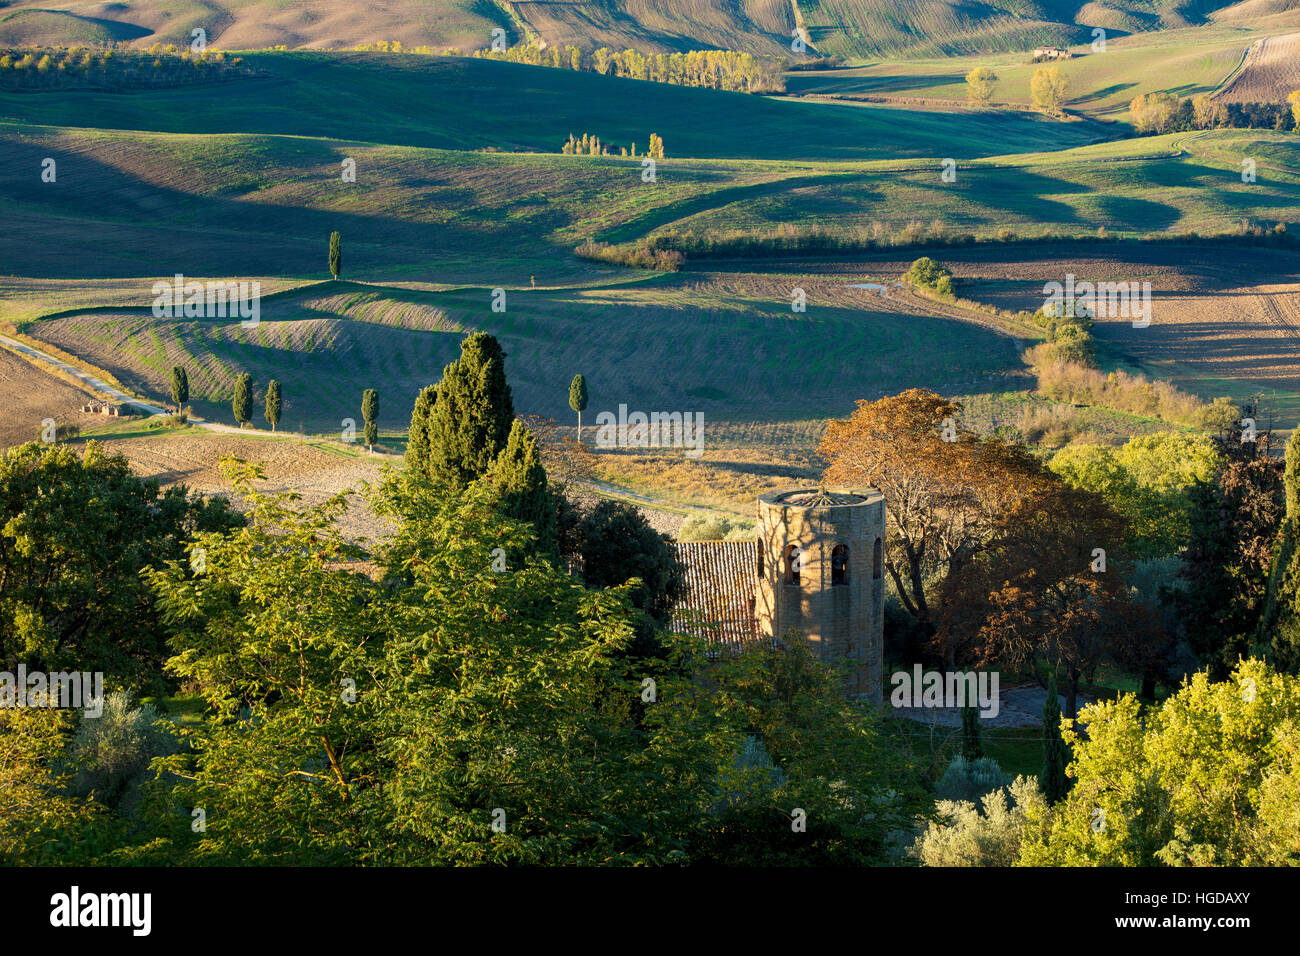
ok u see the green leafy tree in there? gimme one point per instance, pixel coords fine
(75, 534)
(1225, 573)
(1048, 88)
(925, 273)
(274, 403)
(417, 437)
(1194, 781)
(469, 423)
(520, 482)
(242, 404)
(1053, 781)
(370, 414)
(336, 254)
(617, 546)
(180, 387)
(979, 83)
(578, 399)
(283, 648)
(1148, 481)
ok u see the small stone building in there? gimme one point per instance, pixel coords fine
(815, 571)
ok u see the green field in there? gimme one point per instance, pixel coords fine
(1102, 83)
(458, 194)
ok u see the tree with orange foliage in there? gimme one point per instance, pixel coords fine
(1050, 588)
(945, 487)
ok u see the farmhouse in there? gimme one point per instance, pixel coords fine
(1052, 53)
(105, 408)
(814, 570)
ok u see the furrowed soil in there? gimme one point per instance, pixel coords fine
(1270, 74)
(192, 457)
(31, 396)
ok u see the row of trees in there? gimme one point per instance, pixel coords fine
(714, 69)
(1155, 113)
(81, 68)
(590, 145)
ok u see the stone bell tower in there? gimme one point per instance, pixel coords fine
(820, 570)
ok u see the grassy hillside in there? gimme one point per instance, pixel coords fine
(724, 345)
(1175, 183)
(1185, 62)
(469, 104)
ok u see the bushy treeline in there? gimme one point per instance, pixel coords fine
(1209, 777)
(113, 69)
(1155, 113)
(636, 255)
(714, 69)
(790, 239)
(1064, 377)
(590, 145)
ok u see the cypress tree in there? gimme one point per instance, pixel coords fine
(417, 438)
(470, 422)
(1278, 634)
(242, 405)
(578, 399)
(336, 254)
(274, 403)
(1053, 782)
(521, 486)
(370, 412)
(180, 387)
(971, 748)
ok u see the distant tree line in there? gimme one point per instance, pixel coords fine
(84, 68)
(1155, 113)
(789, 239)
(713, 69)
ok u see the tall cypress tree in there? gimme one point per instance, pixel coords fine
(1053, 782)
(521, 486)
(370, 413)
(1278, 635)
(578, 399)
(336, 254)
(242, 405)
(180, 387)
(971, 748)
(469, 423)
(274, 403)
(417, 438)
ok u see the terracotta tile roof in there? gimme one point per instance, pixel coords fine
(719, 600)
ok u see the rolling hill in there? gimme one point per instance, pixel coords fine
(848, 28)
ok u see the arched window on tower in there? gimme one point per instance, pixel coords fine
(840, 564)
(793, 559)
(760, 557)
(877, 562)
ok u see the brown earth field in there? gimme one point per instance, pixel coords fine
(192, 456)
(31, 396)
(1225, 319)
(1271, 72)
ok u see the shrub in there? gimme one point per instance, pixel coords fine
(925, 273)
(714, 528)
(969, 780)
(109, 755)
(986, 836)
